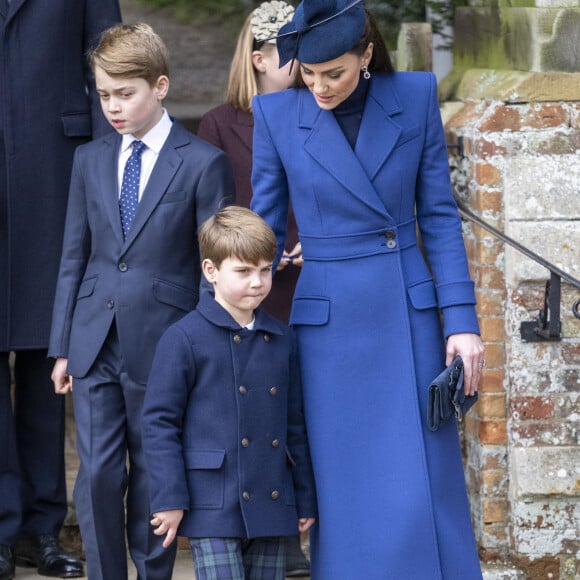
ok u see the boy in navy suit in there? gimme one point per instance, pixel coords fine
(130, 268)
(223, 426)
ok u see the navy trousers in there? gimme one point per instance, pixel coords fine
(32, 473)
(108, 406)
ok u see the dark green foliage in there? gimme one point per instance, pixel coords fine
(389, 14)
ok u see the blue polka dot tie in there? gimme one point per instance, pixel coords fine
(129, 198)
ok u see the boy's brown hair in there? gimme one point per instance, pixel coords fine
(236, 232)
(131, 51)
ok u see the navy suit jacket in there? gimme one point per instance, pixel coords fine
(152, 278)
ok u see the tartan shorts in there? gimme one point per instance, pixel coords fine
(239, 559)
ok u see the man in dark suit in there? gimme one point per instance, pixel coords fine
(48, 106)
(130, 267)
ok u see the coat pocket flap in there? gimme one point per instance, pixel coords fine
(87, 287)
(77, 124)
(204, 458)
(174, 295)
(310, 310)
(423, 295)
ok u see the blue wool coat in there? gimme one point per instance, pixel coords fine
(223, 427)
(392, 498)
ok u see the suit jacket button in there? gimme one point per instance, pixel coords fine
(243, 390)
(275, 443)
(273, 391)
(237, 338)
(266, 338)
(123, 267)
(245, 496)
(110, 304)
(245, 442)
(275, 494)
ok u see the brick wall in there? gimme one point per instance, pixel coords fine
(520, 172)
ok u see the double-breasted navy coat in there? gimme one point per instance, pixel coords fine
(48, 106)
(391, 494)
(223, 427)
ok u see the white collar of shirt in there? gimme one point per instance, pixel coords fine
(154, 140)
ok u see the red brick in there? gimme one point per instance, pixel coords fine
(487, 253)
(494, 511)
(544, 116)
(492, 381)
(492, 329)
(490, 302)
(491, 406)
(487, 174)
(484, 149)
(489, 277)
(488, 200)
(502, 118)
(532, 408)
(493, 432)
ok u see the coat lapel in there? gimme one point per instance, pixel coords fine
(13, 8)
(377, 136)
(243, 127)
(165, 168)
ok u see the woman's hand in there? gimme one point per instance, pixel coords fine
(470, 348)
(294, 257)
(304, 524)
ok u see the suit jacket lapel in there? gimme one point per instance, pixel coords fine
(109, 182)
(165, 168)
(13, 7)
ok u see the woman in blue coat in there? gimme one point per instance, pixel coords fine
(359, 150)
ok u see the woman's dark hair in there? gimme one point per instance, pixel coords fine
(380, 61)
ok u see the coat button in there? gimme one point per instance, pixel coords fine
(391, 244)
(266, 338)
(237, 338)
(275, 443)
(273, 391)
(245, 496)
(391, 239)
(245, 442)
(110, 304)
(275, 494)
(123, 267)
(243, 390)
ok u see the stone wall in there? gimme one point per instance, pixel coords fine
(520, 172)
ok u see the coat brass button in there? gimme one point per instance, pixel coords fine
(245, 442)
(110, 304)
(245, 496)
(123, 267)
(237, 338)
(275, 443)
(266, 338)
(243, 390)
(275, 494)
(273, 391)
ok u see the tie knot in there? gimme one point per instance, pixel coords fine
(138, 147)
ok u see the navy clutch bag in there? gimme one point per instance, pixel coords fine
(447, 397)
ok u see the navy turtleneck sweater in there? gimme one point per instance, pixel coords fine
(349, 113)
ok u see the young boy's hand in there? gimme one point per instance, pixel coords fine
(167, 523)
(304, 524)
(62, 381)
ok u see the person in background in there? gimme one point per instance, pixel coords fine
(130, 268)
(223, 426)
(254, 70)
(359, 151)
(48, 106)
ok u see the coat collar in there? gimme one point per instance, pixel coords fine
(166, 166)
(218, 315)
(377, 137)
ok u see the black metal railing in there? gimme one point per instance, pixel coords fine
(547, 326)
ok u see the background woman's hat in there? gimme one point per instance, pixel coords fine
(268, 18)
(321, 30)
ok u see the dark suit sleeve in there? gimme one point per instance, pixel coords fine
(99, 15)
(216, 187)
(75, 255)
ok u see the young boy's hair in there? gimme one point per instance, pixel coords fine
(236, 232)
(131, 51)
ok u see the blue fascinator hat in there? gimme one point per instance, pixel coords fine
(321, 30)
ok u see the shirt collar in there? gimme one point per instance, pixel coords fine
(155, 138)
